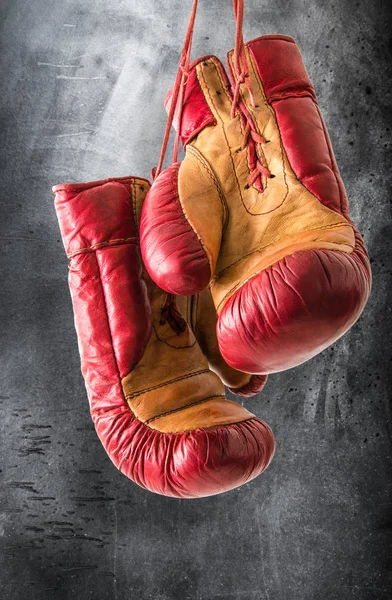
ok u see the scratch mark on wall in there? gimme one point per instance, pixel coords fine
(46, 64)
(75, 77)
(61, 135)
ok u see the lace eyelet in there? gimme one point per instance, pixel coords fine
(246, 187)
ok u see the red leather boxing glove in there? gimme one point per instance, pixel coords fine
(257, 211)
(158, 410)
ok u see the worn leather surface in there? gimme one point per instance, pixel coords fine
(159, 411)
(199, 312)
(284, 258)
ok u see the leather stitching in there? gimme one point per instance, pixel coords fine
(330, 157)
(134, 208)
(176, 195)
(175, 410)
(336, 226)
(100, 245)
(195, 153)
(165, 383)
(196, 312)
(108, 325)
(171, 345)
(122, 180)
(201, 73)
(285, 95)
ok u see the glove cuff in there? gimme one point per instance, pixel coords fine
(89, 225)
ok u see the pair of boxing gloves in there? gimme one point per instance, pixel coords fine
(237, 262)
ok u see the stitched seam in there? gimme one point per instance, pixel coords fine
(284, 95)
(176, 194)
(134, 208)
(109, 243)
(330, 158)
(332, 226)
(157, 431)
(208, 90)
(175, 410)
(122, 180)
(165, 383)
(171, 345)
(109, 330)
(314, 98)
(224, 85)
(196, 311)
(199, 157)
(200, 71)
(225, 136)
(336, 226)
(231, 157)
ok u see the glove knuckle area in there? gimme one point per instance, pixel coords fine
(99, 213)
(294, 310)
(190, 464)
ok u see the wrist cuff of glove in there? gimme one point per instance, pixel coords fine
(90, 220)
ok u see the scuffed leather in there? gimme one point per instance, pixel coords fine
(291, 272)
(159, 411)
(199, 312)
(196, 113)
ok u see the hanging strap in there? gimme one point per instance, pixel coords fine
(178, 90)
(239, 57)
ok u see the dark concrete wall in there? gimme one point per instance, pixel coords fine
(82, 90)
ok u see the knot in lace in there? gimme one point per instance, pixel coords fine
(171, 315)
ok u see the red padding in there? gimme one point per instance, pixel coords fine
(281, 67)
(171, 250)
(291, 311)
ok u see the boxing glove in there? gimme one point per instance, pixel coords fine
(159, 411)
(257, 211)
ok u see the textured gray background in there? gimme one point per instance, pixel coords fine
(82, 90)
